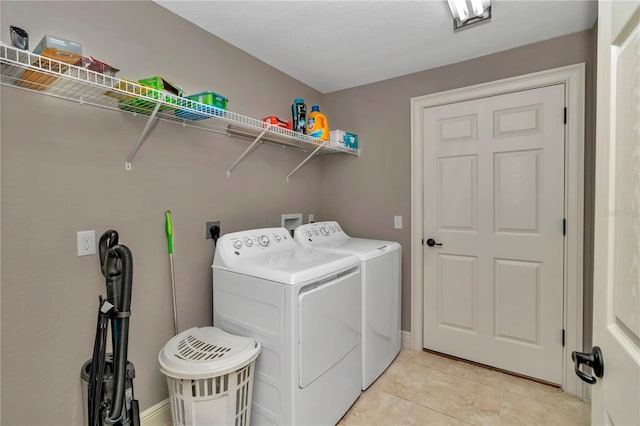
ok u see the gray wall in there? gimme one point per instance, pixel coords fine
(364, 193)
(62, 171)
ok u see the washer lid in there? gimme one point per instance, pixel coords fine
(271, 254)
(200, 353)
(294, 266)
(363, 248)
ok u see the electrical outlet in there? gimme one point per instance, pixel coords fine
(86, 243)
(397, 222)
(311, 218)
(207, 227)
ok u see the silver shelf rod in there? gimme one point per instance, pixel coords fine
(145, 131)
(246, 151)
(305, 161)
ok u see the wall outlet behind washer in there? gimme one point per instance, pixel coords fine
(208, 225)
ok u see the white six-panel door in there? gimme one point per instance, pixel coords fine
(616, 306)
(494, 198)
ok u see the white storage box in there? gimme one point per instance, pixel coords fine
(336, 138)
(210, 377)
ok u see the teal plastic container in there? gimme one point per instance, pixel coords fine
(213, 104)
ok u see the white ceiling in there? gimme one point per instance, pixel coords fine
(334, 45)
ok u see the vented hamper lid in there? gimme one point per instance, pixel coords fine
(200, 353)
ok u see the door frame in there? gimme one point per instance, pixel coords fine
(573, 77)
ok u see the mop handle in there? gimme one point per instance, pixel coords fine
(169, 231)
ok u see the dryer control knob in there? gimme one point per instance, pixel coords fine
(309, 233)
(248, 242)
(324, 231)
(315, 231)
(277, 238)
(237, 244)
(263, 240)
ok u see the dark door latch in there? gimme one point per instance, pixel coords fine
(431, 242)
(592, 359)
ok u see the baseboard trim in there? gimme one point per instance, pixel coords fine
(405, 339)
(157, 415)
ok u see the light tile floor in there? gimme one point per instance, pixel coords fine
(421, 388)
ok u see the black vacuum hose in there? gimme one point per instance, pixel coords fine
(120, 254)
(97, 369)
(108, 240)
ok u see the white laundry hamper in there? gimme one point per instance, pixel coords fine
(210, 377)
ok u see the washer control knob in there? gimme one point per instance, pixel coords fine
(315, 231)
(237, 244)
(309, 233)
(277, 238)
(248, 242)
(324, 231)
(263, 240)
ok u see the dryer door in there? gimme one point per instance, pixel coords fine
(329, 324)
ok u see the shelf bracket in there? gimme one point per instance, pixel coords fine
(246, 151)
(309, 157)
(143, 135)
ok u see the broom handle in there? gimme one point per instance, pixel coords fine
(169, 231)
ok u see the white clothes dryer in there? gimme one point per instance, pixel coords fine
(381, 275)
(303, 306)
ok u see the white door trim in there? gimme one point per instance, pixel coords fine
(573, 77)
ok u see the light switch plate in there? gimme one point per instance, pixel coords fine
(397, 222)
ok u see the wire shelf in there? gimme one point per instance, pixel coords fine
(28, 71)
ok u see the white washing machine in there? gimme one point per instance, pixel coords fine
(303, 306)
(381, 273)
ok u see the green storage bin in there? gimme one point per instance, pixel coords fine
(144, 106)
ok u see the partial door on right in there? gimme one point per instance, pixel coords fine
(494, 200)
(615, 397)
